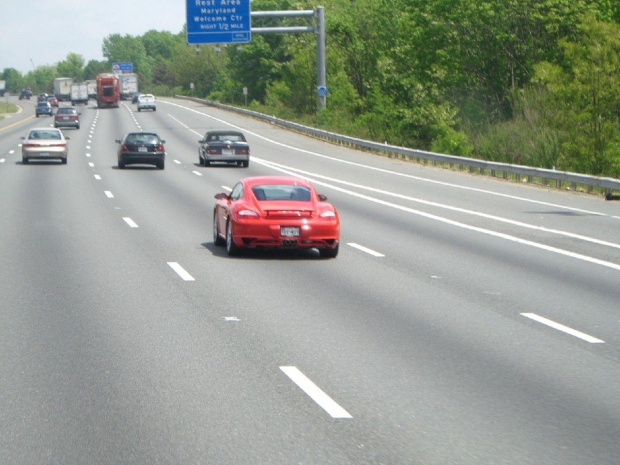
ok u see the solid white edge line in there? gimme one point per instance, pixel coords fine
(508, 237)
(108, 194)
(447, 207)
(181, 271)
(562, 328)
(315, 393)
(395, 173)
(130, 222)
(365, 249)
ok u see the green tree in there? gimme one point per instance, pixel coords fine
(94, 67)
(72, 66)
(584, 96)
(14, 80)
(41, 79)
(117, 48)
(160, 44)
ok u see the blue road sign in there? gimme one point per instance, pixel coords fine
(122, 67)
(218, 21)
(321, 91)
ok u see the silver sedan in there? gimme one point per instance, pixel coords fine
(45, 144)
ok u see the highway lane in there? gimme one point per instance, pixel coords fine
(425, 347)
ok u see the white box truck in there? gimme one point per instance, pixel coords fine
(92, 88)
(62, 88)
(2, 88)
(79, 93)
(129, 85)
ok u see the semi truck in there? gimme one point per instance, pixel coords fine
(62, 88)
(79, 93)
(92, 88)
(108, 90)
(129, 85)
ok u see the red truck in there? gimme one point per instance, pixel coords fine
(108, 91)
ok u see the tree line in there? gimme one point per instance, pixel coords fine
(531, 82)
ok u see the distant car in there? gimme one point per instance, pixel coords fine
(144, 148)
(25, 94)
(67, 117)
(45, 144)
(43, 108)
(135, 97)
(225, 147)
(275, 212)
(53, 101)
(42, 97)
(146, 102)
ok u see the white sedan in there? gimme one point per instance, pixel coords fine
(44, 144)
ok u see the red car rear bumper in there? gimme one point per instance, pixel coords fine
(315, 233)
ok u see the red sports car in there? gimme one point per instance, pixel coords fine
(275, 212)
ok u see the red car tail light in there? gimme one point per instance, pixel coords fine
(247, 213)
(124, 148)
(160, 148)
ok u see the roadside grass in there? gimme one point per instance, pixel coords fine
(6, 108)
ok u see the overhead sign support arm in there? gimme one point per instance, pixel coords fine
(279, 22)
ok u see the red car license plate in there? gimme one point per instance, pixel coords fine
(289, 231)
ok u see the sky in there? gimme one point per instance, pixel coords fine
(36, 33)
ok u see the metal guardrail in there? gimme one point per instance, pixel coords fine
(540, 175)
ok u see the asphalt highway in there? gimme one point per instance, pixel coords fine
(466, 320)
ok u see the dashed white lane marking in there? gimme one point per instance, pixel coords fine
(177, 162)
(88, 155)
(2, 160)
(197, 173)
(92, 165)
(563, 328)
(226, 188)
(11, 152)
(181, 271)
(108, 194)
(130, 222)
(315, 393)
(365, 249)
(97, 177)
